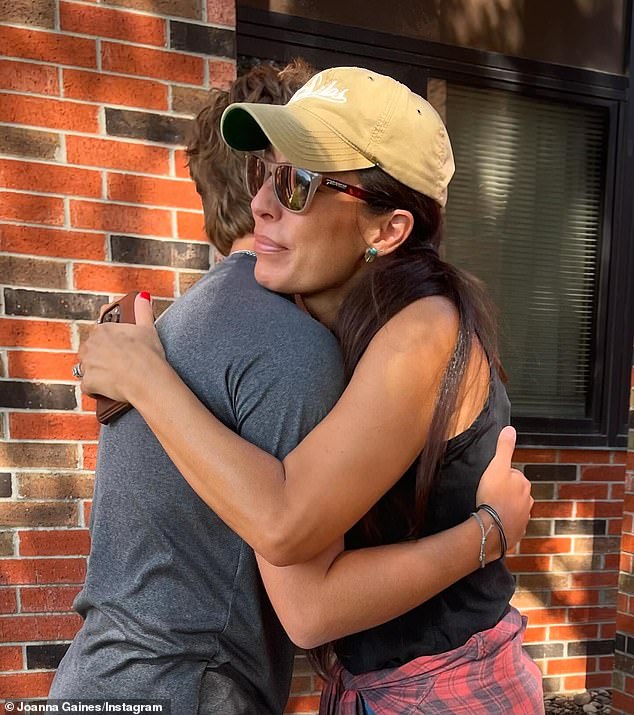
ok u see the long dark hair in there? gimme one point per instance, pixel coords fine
(413, 271)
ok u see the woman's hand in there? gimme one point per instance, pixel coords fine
(117, 357)
(506, 489)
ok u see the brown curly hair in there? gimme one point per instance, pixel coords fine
(216, 169)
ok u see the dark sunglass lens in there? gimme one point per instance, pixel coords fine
(292, 186)
(255, 174)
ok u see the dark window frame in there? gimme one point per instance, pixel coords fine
(274, 36)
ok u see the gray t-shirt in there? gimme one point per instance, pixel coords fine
(171, 591)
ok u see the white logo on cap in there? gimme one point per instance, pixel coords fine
(316, 89)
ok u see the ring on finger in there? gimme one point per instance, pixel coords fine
(77, 371)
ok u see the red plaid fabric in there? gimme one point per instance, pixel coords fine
(489, 675)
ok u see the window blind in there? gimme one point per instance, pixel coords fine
(524, 215)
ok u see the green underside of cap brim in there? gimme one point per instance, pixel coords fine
(241, 131)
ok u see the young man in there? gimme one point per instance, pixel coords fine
(173, 604)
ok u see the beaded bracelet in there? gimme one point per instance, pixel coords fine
(483, 543)
(498, 522)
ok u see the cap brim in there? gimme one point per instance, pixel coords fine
(304, 139)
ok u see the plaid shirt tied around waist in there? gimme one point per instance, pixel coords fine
(489, 675)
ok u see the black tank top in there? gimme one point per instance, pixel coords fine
(473, 604)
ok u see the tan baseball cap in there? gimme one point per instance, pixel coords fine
(348, 118)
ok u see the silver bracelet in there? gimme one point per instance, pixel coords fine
(485, 532)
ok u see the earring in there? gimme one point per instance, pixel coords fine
(370, 254)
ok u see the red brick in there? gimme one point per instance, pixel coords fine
(158, 192)
(594, 580)
(8, 600)
(545, 616)
(545, 546)
(41, 365)
(26, 685)
(11, 658)
(43, 571)
(87, 510)
(49, 178)
(34, 334)
(590, 614)
(52, 242)
(535, 634)
(49, 599)
(534, 456)
(302, 704)
(180, 8)
(117, 155)
(599, 680)
(599, 509)
(586, 597)
(122, 279)
(617, 491)
(158, 64)
(615, 526)
(90, 456)
(628, 683)
(222, 12)
(48, 47)
(621, 702)
(45, 112)
(53, 426)
(619, 457)
(627, 543)
(583, 456)
(105, 22)
(29, 77)
(88, 404)
(222, 73)
(622, 603)
(530, 564)
(606, 663)
(550, 509)
(33, 209)
(191, 226)
(301, 684)
(583, 491)
(110, 89)
(121, 218)
(574, 682)
(55, 542)
(612, 473)
(563, 666)
(577, 632)
(180, 164)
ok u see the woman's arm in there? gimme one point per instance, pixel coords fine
(339, 593)
(292, 511)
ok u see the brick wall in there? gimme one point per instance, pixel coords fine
(567, 565)
(95, 100)
(623, 681)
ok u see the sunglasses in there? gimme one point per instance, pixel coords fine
(294, 188)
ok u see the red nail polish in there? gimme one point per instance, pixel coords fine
(145, 295)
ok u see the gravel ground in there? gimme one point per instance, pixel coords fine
(592, 701)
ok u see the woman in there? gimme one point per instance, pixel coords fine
(417, 423)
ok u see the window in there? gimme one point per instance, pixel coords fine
(525, 216)
(540, 207)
